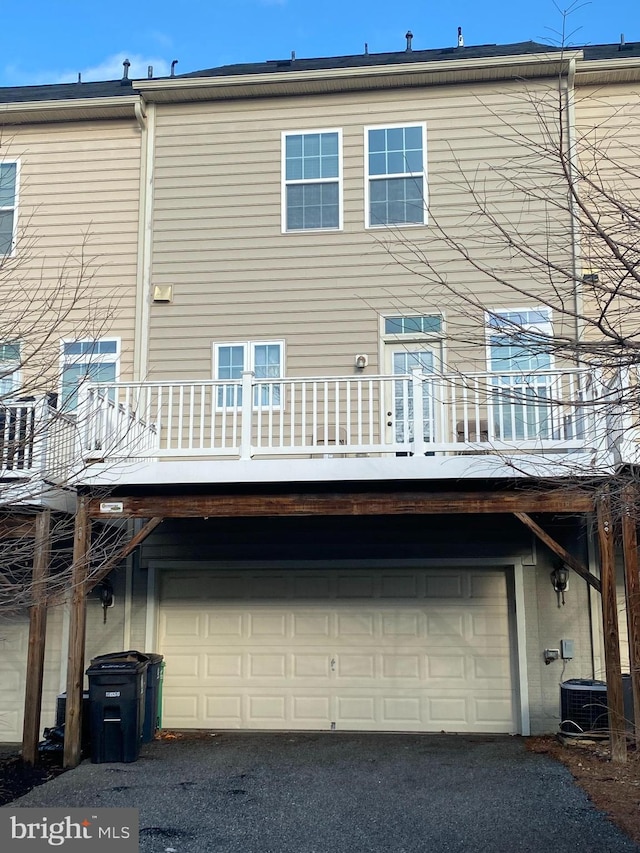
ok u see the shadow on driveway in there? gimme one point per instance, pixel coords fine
(343, 793)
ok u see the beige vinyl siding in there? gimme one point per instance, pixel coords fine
(608, 129)
(236, 276)
(78, 216)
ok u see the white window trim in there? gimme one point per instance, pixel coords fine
(399, 337)
(249, 364)
(368, 179)
(489, 331)
(99, 358)
(14, 208)
(435, 340)
(285, 183)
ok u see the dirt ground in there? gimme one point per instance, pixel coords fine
(612, 788)
(17, 778)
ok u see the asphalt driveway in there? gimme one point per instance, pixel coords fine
(343, 793)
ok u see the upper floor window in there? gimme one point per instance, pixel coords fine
(87, 361)
(312, 174)
(396, 175)
(8, 202)
(264, 358)
(9, 368)
(520, 340)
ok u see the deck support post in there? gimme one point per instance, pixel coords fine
(77, 632)
(615, 700)
(37, 637)
(632, 588)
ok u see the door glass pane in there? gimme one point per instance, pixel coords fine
(267, 361)
(230, 366)
(521, 403)
(405, 362)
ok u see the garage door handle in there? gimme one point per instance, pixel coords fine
(333, 664)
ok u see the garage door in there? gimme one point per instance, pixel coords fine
(385, 650)
(14, 639)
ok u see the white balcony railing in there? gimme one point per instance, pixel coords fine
(36, 439)
(549, 411)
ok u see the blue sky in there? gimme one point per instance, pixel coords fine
(50, 41)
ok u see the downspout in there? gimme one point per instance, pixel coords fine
(573, 210)
(147, 122)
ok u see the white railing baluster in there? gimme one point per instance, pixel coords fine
(417, 382)
(281, 441)
(326, 414)
(201, 417)
(292, 413)
(247, 414)
(476, 411)
(169, 416)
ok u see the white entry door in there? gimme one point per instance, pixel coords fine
(404, 360)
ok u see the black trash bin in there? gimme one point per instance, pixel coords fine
(116, 693)
(152, 697)
(61, 708)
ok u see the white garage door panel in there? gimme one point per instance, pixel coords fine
(337, 649)
(14, 639)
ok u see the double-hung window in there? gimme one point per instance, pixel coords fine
(396, 175)
(86, 361)
(9, 369)
(519, 355)
(8, 206)
(264, 358)
(312, 180)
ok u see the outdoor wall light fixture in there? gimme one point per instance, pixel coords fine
(560, 581)
(107, 599)
(362, 361)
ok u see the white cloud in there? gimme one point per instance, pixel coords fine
(161, 38)
(110, 69)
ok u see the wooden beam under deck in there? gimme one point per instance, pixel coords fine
(372, 503)
(123, 553)
(17, 527)
(561, 552)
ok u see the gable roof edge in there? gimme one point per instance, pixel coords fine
(484, 69)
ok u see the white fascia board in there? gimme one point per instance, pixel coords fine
(71, 107)
(622, 70)
(337, 470)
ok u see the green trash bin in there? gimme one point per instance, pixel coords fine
(153, 696)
